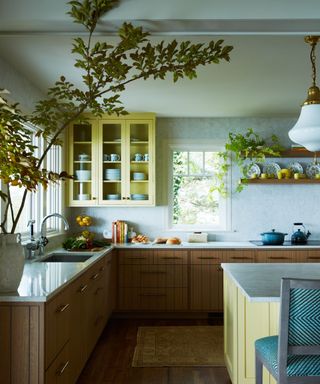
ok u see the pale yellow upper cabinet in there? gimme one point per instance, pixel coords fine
(122, 160)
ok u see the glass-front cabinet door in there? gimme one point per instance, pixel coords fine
(112, 159)
(141, 185)
(83, 163)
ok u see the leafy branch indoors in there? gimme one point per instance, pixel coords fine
(106, 71)
(244, 150)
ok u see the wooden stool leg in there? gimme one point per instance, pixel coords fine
(259, 368)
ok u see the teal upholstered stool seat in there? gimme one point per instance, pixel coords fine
(297, 365)
(293, 357)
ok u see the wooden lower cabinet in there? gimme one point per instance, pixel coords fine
(50, 342)
(59, 371)
(206, 293)
(153, 280)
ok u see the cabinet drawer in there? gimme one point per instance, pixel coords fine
(309, 256)
(59, 370)
(153, 276)
(153, 299)
(276, 256)
(206, 257)
(58, 315)
(135, 257)
(98, 270)
(240, 256)
(170, 257)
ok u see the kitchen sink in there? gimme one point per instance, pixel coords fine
(66, 258)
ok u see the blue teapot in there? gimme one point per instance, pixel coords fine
(299, 236)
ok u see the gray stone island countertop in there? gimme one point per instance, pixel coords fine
(261, 282)
(41, 280)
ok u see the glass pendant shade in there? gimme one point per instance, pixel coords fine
(306, 131)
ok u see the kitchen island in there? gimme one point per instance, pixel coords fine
(251, 310)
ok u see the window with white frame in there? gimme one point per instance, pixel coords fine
(43, 202)
(193, 203)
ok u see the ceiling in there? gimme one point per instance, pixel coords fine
(268, 75)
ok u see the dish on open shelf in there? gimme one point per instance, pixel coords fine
(271, 169)
(295, 167)
(254, 169)
(312, 170)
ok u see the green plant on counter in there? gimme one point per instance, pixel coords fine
(244, 150)
(107, 69)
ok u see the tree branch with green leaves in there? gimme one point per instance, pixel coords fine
(106, 71)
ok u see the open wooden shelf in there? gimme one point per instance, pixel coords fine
(299, 152)
(280, 181)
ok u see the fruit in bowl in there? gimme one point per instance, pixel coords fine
(84, 221)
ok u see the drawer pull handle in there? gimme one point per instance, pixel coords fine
(279, 258)
(61, 370)
(94, 277)
(153, 294)
(98, 290)
(241, 258)
(207, 258)
(313, 257)
(154, 272)
(62, 308)
(137, 258)
(83, 288)
(171, 258)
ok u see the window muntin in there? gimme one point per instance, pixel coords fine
(43, 202)
(193, 204)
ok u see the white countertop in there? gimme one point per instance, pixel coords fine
(183, 245)
(215, 245)
(41, 280)
(261, 282)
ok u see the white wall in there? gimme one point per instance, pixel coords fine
(258, 208)
(21, 90)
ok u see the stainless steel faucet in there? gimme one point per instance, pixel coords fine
(43, 239)
(32, 245)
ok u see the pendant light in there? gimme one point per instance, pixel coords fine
(306, 131)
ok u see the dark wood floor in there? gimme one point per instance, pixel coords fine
(110, 362)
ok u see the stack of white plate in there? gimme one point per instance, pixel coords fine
(113, 196)
(139, 196)
(112, 174)
(139, 176)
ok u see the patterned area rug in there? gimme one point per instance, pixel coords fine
(179, 346)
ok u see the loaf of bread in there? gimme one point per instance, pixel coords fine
(173, 240)
(160, 240)
(140, 239)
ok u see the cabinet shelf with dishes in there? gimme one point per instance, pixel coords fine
(113, 161)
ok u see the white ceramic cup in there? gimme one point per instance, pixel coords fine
(114, 157)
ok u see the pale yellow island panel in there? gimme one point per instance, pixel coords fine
(244, 323)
